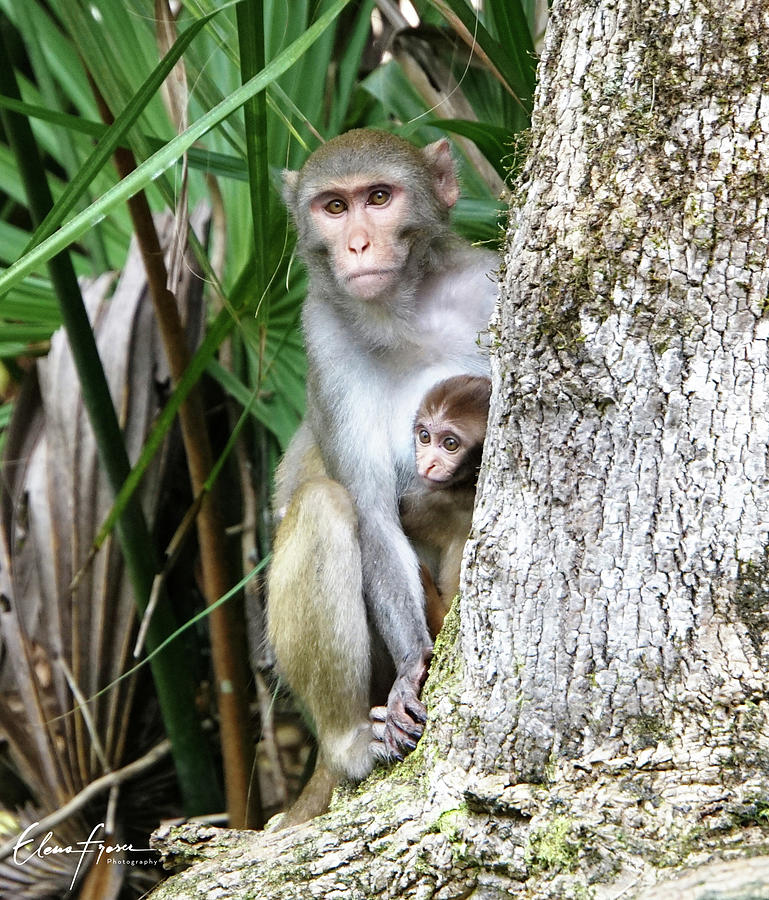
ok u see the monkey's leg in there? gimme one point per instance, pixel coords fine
(450, 565)
(317, 623)
(436, 606)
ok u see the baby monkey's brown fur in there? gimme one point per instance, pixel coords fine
(449, 431)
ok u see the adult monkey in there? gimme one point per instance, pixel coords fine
(395, 304)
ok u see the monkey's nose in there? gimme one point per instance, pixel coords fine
(358, 242)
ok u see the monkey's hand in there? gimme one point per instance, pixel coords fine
(398, 726)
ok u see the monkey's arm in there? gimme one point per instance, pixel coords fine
(351, 421)
(395, 600)
(354, 411)
(390, 570)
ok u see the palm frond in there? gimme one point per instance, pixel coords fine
(62, 642)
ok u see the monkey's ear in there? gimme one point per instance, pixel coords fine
(290, 181)
(438, 157)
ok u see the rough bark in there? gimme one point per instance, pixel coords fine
(631, 459)
(599, 712)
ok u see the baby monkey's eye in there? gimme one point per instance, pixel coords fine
(424, 436)
(335, 206)
(379, 197)
(451, 444)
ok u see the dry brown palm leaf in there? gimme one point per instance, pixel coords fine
(60, 643)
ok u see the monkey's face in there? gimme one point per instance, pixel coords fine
(368, 208)
(362, 228)
(440, 454)
(449, 430)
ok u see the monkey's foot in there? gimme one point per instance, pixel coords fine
(398, 726)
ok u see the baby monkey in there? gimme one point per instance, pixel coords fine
(449, 431)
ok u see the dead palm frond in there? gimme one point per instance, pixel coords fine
(63, 643)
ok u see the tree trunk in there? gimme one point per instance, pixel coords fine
(598, 709)
(623, 526)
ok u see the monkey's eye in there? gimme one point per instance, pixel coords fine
(379, 197)
(451, 444)
(423, 435)
(335, 206)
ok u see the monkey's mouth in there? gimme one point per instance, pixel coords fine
(435, 484)
(363, 273)
(364, 280)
